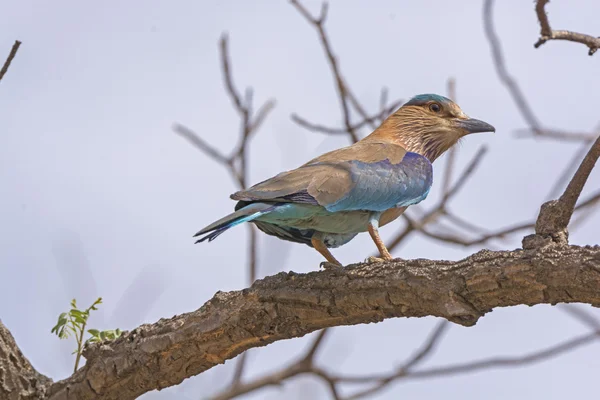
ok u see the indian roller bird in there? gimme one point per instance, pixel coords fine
(326, 202)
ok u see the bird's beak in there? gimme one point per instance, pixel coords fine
(472, 125)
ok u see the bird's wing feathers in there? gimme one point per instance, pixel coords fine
(365, 176)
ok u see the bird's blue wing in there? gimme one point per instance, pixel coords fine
(349, 185)
(383, 185)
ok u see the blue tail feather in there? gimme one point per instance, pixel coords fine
(236, 218)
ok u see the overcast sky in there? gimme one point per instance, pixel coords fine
(101, 198)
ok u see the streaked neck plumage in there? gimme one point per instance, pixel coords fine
(410, 130)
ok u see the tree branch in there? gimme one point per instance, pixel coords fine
(546, 33)
(289, 305)
(555, 215)
(18, 378)
(11, 56)
(513, 87)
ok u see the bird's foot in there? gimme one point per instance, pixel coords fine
(374, 260)
(329, 266)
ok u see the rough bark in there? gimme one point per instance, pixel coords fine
(18, 379)
(289, 305)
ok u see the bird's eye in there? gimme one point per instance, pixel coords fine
(435, 107)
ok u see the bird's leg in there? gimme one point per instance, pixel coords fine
(374, 232)
(319, 246)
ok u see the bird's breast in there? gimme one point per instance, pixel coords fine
(390, 215)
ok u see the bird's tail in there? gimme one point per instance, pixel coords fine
(245, 214)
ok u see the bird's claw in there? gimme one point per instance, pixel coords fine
(326, 265)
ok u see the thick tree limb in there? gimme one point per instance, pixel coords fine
(289, 305)
(18, 379)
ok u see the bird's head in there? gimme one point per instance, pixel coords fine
(429, 124)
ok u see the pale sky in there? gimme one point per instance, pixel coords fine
(101, 198)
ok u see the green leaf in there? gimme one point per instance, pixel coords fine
(97, 302)
(94, 332)
(79, 316)
(62, 320)
(73, 303)
(74, 324)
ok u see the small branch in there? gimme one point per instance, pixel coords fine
(451, 154)
(564, 177)
(504, 362)
(79, 346)
(429, 346)
(342, 91)
(427, 349)
(200, 144)
(586, 204)
(237, 162)
(500, 66)
(381, 115)
(11, 56)
(461, 241)
(555, 215)
(581, 315)
(490, 363)
(227, 76)
(546, 33)
(513, 87)
(239, 370)
(543, 18)
(557, 134)
(573, 190)
(465, 176)
(310, 355)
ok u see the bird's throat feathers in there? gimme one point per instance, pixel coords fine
(410, 128)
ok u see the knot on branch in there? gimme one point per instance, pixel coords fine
(550, 227)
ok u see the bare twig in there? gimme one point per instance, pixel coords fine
(465, 175)
(342, 91)
(303, 366)
(557, 134)
(573, 191)
(200, 144)
(546, 33)
(581, 315)
(585, 205)
(228, 78)
(568, 172)
(11, 56)
(381, 115)
(499, 362)
(496, 362)
(426, 349)
(514, 89)
(555, 215)
(451, 154)
(347, 98)
(237, 161)
(500, 66)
